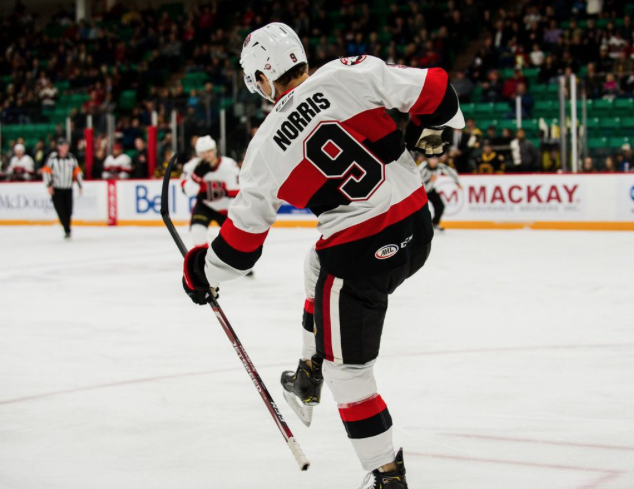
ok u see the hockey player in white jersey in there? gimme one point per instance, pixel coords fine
(329, 145)
(213, 180)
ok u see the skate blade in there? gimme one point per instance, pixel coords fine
(304, 413)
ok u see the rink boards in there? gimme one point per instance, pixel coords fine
(553, 201)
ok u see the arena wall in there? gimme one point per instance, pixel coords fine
(554, 201)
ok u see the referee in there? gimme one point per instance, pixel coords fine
(430, 170)
(59, 172)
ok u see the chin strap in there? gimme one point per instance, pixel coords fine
(272, 97)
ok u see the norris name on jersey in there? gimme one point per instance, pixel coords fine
(299, 119)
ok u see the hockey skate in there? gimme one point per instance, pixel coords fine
(302, 389)
(387, 480)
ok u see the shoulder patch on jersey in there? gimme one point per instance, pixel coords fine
(283, 102)
(353, 60)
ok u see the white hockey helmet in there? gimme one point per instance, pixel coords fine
(205, 143)
(273, 49)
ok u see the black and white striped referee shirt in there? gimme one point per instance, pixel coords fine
(427, 174)
(60, 172)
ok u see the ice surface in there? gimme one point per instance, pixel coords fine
(507, 362)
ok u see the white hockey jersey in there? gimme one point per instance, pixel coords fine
(218, 188)
(330, 146)
(117, 167)
(21, 168)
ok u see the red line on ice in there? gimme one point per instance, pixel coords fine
(512, 462)
(127, 382)
(542, 442)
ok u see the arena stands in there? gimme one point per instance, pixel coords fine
(130, 63)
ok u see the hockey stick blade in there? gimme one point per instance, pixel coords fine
(291, 442)
(304, 412)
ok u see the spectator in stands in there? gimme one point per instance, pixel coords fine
(588, 165)
(594, 82)
(510, 85)
(626, 160)
(537, 55)
(39, 154)
(48, 94)
(623, 64)
(131, 132)
(463, 87)
(140, 159)
(118, 165)
(526, 101)
(549, 70)
(609, 165)
(604, 63)
(525, 155)
(553, 33)
(489, 161)
(161, 168)
(610, 87)
(21, 166)
(492, 88)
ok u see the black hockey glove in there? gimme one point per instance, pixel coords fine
(195, 281)
(430, 141)
(202, 169)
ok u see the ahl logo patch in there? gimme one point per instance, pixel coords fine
(386, 252)
(352, 60)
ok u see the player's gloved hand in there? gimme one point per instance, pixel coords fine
(431, 141)
(201, 170)
(195, 281)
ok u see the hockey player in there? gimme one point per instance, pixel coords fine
(21, 166)
(118, 165)
(429, 172)
(329, 145)
(213, 180)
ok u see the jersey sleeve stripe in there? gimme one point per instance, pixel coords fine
(373, 124)
(397, 212)
(236, 259)
(239, 240)
(232, 194)
(432, 93)
(303, 182)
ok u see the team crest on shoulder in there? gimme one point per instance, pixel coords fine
(353, 60)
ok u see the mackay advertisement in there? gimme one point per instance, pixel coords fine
(551, 201)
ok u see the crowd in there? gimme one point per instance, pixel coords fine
(133, 62)
(591, 38)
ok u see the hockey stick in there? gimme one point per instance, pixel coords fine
(233, 338)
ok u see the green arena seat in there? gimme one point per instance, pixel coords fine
(483, 108)
(617, 142)
(501, 107)
(623, 106)
(599, 107)
(627, 123)
(598, 143)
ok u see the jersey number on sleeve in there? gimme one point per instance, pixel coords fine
(338, 156)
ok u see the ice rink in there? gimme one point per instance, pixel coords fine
(507, 362)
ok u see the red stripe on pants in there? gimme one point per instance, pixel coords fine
(326, 313)
(358, 411)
